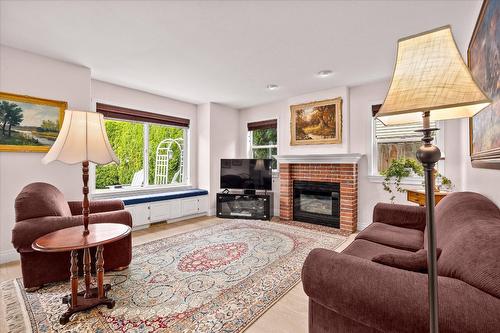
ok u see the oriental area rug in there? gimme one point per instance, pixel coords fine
(215, 279)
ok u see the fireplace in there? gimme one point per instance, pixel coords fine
(316, 202)
(341, 169)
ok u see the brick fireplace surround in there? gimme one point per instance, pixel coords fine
(338, 168)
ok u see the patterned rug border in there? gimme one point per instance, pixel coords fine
(179, 238)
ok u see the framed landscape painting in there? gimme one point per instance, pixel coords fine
(29, 124)
(316, 123)
(484, 63)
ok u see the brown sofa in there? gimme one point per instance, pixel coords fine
(41, 209)
(348, 292)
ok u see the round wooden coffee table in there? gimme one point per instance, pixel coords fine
(72, 239)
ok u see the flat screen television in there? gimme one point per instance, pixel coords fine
(246, 174)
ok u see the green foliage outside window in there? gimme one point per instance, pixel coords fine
(127, 140)
(265, 137)
(157, 134)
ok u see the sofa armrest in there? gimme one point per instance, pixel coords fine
(97, 206)
(26, 232)
(118, 216)
(394, 300)
(405, 216)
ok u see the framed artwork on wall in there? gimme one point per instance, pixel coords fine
(316, 123)
(484, 62)
(29, 124)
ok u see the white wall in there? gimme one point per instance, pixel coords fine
(484, 181)
(357, 138)
(29, 74)
(281, 110)
(224, 143)
(204, 160)
(103, 92)
(218, 137)
(34, 75)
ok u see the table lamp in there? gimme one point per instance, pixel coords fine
(82, 139)
(431, 81)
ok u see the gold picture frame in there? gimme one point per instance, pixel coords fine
(484, 127)
(29, 124)
(316, 123)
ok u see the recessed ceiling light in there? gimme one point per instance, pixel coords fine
(272, 86)
(324, 73)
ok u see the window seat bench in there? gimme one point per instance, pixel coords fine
(166, 206)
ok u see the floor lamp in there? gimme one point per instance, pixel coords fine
(82, 139)
(431, 81)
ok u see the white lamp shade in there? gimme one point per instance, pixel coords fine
(82, 138)
(430, 75)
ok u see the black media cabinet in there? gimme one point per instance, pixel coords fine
(245, 206)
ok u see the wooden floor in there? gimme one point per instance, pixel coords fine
(289, 314)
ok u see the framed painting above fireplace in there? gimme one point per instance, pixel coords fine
(316, 122)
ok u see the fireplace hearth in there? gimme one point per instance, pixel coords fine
(317, 202)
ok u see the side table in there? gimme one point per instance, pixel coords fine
(418, 196)
(72, 239)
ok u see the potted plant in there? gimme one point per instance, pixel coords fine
(398, 169)
(445, 183)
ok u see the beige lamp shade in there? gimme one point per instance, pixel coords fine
(430, 75)
(82, 138)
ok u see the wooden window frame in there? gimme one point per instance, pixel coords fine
(119, 112)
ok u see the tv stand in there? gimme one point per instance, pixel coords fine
(245, 206)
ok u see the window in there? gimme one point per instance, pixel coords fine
(151, 148)
(395, 141)
(127, 140)
(263, 140)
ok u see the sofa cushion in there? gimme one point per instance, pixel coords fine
(468, 232)
(39, 200)
(414, 261)
(398, 237)
(368, 250)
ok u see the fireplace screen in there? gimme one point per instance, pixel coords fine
(316, 202)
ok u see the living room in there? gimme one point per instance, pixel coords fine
(245, 170)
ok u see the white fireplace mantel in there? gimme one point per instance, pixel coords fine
(319, 158)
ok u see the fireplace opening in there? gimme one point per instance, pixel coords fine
(316, 202)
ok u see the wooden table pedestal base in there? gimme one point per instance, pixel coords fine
(85, 303)
(90, 297)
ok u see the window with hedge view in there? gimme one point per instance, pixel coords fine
(396, 141)
(263, 140)
(128, 140)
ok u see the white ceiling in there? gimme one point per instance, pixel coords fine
(227, 52)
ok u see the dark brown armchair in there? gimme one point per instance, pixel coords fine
(41, 209)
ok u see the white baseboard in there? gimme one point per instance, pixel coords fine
(140, 227)
(8, 256)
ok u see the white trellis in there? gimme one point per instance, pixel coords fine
(164, 154)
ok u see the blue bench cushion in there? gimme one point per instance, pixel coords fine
(162, 196)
